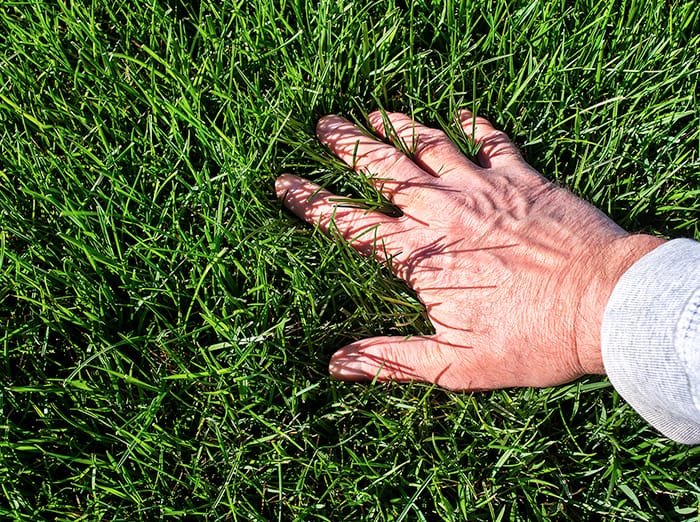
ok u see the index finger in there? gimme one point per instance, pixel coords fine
(371, 233)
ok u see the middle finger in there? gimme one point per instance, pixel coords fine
(389, 169)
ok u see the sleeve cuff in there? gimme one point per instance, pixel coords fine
(650, 339)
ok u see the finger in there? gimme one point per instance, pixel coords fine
(369, 232)
(389, 169)
(421, 358)
(431, 148)
(496, 148)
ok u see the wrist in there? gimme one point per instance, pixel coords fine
(604, 268)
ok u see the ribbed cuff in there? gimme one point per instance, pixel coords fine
(651, 339)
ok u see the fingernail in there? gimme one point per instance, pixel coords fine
(329, 123)
(464, 114)
(284, 184)
(347, 368)
(375, 118)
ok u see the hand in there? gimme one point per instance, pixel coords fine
(514, 272)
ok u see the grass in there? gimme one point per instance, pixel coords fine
(165, 324)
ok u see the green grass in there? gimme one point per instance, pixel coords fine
(166, 325)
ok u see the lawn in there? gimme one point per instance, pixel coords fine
(165, 324)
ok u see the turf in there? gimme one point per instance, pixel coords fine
(165, 325)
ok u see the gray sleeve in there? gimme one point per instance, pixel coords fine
(651, 339)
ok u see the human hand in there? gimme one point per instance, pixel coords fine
(514, 271)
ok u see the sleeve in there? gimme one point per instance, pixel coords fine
(651, 339)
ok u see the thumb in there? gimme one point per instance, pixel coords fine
(420, 358)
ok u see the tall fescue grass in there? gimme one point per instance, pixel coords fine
(166, 325)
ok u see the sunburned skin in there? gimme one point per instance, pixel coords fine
(514, 271)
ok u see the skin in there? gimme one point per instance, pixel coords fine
(514, 271)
